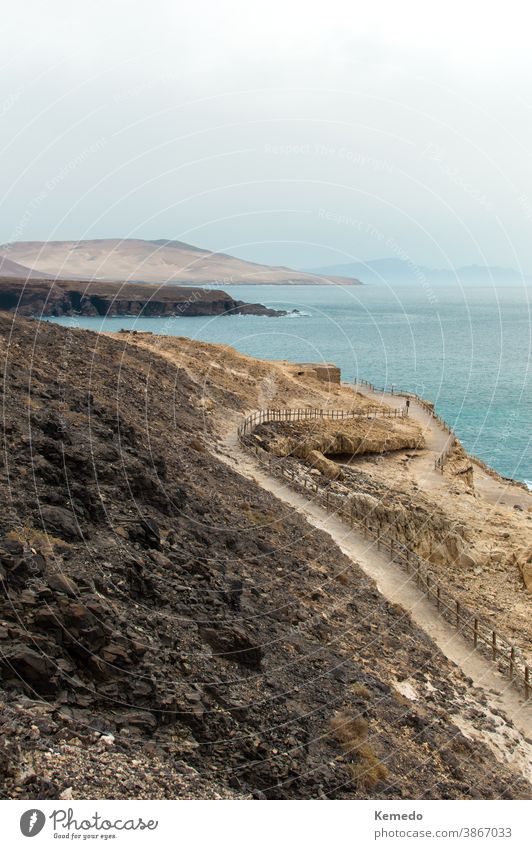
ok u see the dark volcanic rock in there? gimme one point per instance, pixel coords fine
(234, 645)
(59, 297)
(59, 522)
(32, 669)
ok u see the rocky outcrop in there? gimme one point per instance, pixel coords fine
(66, 298)
(523, 560)
(351, 438)
(459, 467)
(323, 443)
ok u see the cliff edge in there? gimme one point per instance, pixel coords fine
(70, 297)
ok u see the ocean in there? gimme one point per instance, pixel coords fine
(465, 349)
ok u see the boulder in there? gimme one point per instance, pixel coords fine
(328, 468)
(60, 522)
(62, 584)
(37, 671)
(233, 644)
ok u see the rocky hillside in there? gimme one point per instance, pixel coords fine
(168, 629)
(70, 297)
(482, 546)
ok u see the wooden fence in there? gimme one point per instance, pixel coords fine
(439, 462)
(290, 415)
(469, 623)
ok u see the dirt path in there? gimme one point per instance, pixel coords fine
(494, 712)
(495, 491)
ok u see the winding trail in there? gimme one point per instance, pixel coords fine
(494, 490)
(506, 725)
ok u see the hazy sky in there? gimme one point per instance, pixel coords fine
(286, 132)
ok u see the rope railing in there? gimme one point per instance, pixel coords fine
(485, 639)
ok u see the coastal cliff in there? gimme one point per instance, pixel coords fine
(67, 298)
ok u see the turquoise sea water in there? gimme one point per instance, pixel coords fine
(468, 350)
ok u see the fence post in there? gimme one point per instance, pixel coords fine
(475, 632)
(512, 661)
(438, 596)
(494, 645)
(457, 613)
(527, 682)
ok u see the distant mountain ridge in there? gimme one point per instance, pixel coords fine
(144, 261)
(393, 269)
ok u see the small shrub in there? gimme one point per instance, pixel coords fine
(367, 770)
(36, 539)
(343, 577)
(360, 691)
(351, 732)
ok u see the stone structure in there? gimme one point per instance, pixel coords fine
(327, 372)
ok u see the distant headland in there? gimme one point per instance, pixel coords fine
(57, 298)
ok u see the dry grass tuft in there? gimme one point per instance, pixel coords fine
(360, 691)
(351, 732)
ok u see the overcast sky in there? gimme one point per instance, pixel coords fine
(286, 132)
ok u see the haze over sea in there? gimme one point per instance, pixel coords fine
(467, 350)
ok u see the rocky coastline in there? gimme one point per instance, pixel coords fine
(56, 298)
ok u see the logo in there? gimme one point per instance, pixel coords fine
(32, 822)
